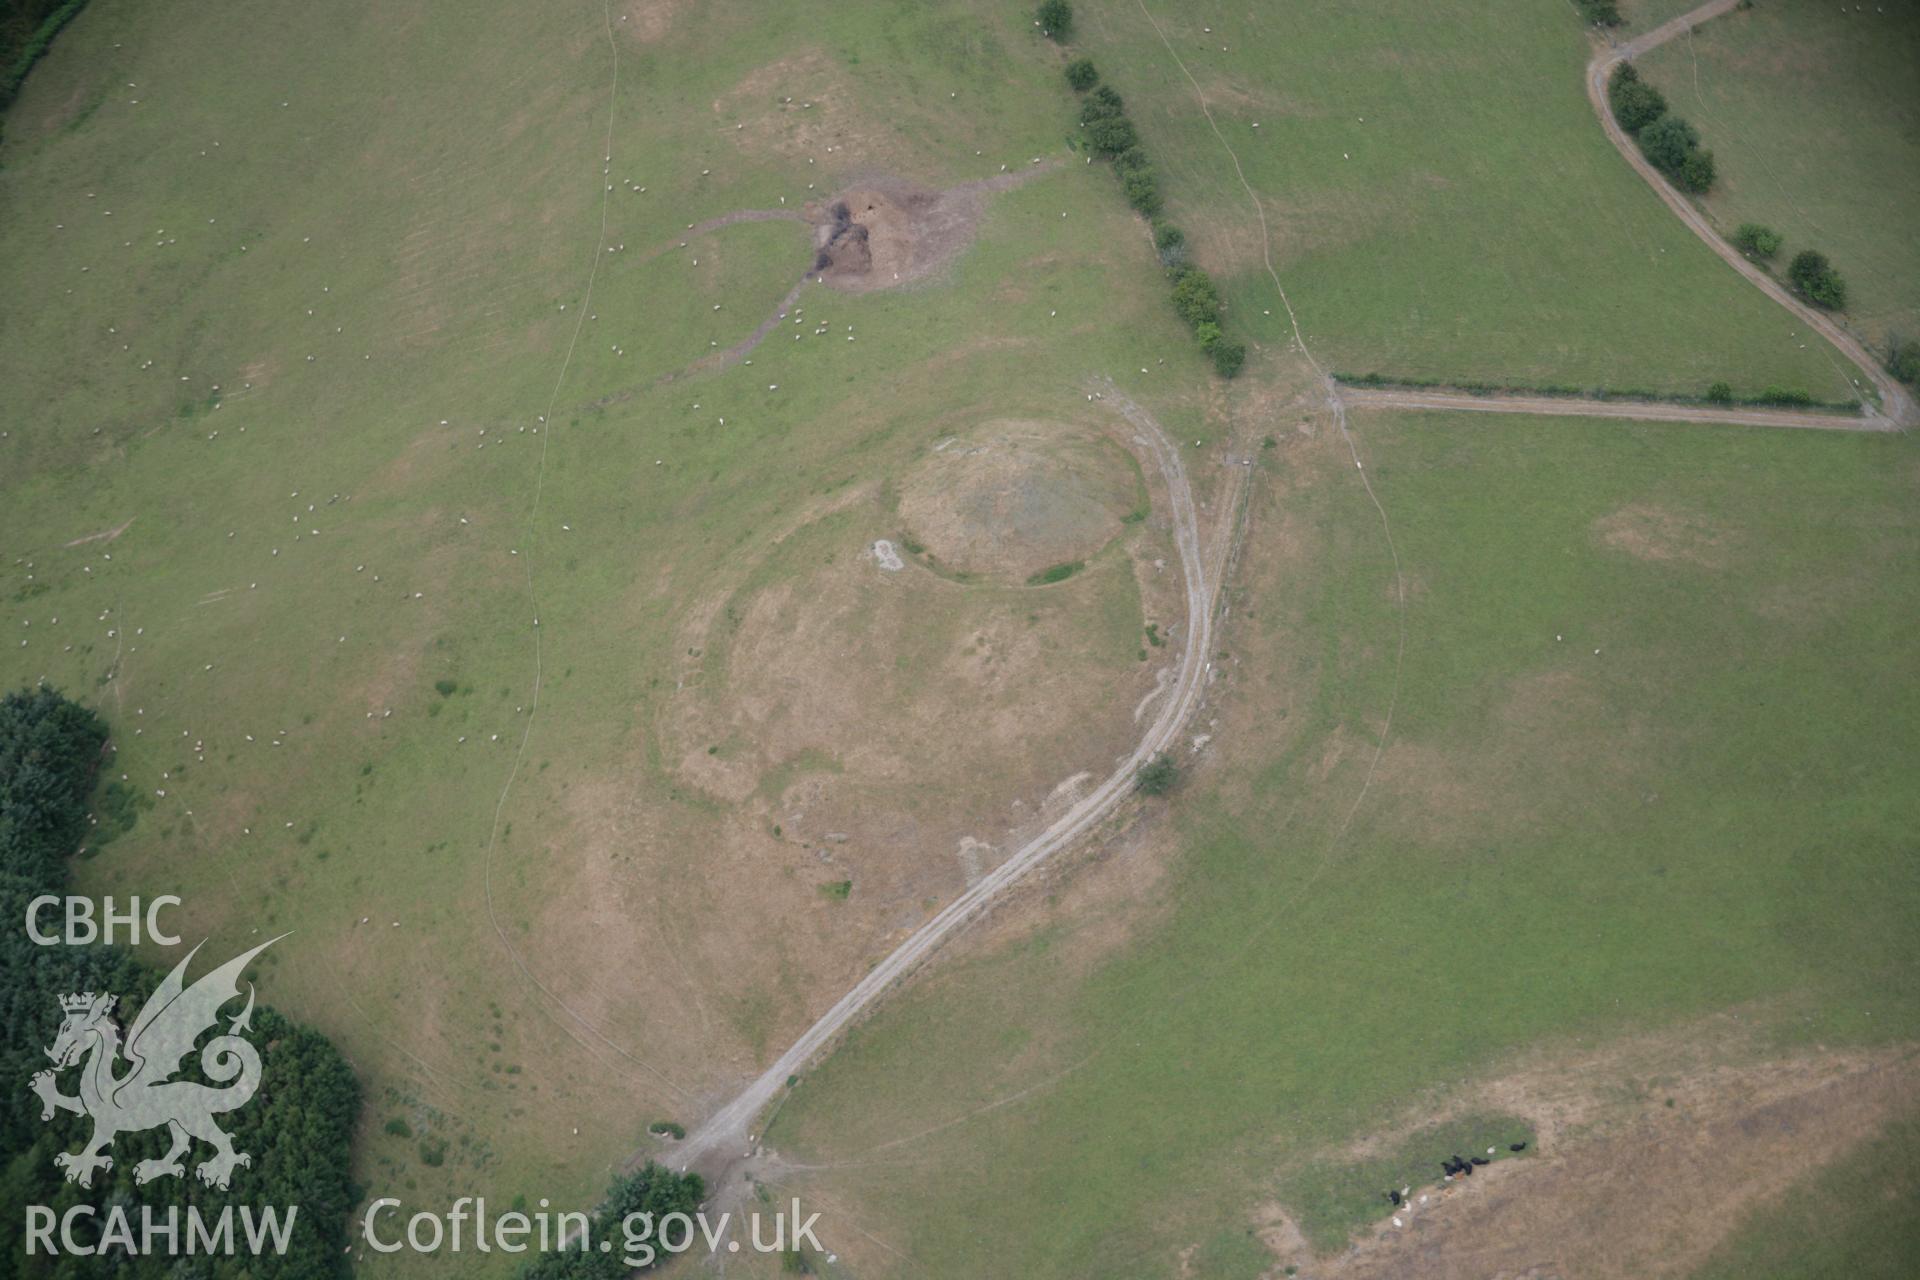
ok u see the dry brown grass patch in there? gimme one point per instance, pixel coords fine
(1649, 1151)
(1664, 536)
(649, 21)
(798, 107)
(1657, 1194)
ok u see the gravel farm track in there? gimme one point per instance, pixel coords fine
(721, 1138)
(1567, 406)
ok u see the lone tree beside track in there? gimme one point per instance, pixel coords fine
(1903, 359)
(1055, 20)
(1756, 240)
(1816, 279)
(1157, 776)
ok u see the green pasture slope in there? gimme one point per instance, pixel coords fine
(1561, 847)
(383, 220)
(1441, 200)
(1813, 119)
(1846, 1222)
(254, 255)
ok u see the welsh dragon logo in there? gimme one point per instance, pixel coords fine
(145, 1096)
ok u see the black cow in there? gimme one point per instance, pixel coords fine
(1479, 1160)
(1517, 1146)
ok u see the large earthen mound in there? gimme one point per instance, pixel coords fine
(1013, 499)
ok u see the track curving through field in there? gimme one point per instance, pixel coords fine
(1897, 407)
(729, 1126)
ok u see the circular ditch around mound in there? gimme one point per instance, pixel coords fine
(1018, 501)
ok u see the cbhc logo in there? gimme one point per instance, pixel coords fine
(82, 928)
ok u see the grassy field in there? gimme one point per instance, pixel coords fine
(530, 689)
(297, 319)
(1441, 201)
(1692, 802)
(1850, 1220)
(1815, 130)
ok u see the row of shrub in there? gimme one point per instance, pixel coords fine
(1669, 142)
(298, 1127)
(1720, 393)
(1673, 146)
(1108, 133)
(1811, 275)
(18, 55)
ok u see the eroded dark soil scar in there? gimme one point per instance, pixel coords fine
(845, 249)
(882, 233)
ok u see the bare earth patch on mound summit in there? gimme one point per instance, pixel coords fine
(1014, 499)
